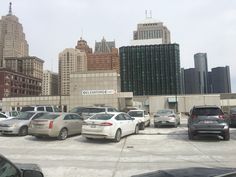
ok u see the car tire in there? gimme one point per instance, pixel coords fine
(142, 126)
(118, 136)
(226, 136)
(23, 131)
(88, 138)
(148, 125)
(38, 137)
(63, 134)
(156, 125)
(136, 131)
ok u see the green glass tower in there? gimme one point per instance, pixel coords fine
(150, 69)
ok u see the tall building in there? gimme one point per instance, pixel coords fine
(200, 63)
(220, 77)
(151, 31)
(50, 83)
(12, 38)
(13, 84)
(191, 81)
(105, 57)
(29, 65)
(83, 46)
(182, 78)
(70, 61)
(150, 69)
(104, 46)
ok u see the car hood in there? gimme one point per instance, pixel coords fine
(193, 172)
(28, 167)
(14, 121)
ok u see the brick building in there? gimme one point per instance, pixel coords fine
(14, 84)
(105, 57)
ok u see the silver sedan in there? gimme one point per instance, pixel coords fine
(166, 117)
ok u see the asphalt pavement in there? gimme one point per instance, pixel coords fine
(152, 149)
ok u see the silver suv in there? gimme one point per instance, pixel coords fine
(40, 108)
(86, 112)
(208, 120)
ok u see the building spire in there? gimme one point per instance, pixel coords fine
(10, 9)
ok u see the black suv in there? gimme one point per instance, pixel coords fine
(208, 120)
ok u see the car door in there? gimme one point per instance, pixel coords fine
(131, 124)
(68, 122)
(78, 122)
(122, 124)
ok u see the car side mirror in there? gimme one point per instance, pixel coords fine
(132, 118)
(32, 173)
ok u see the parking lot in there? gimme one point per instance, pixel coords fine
(152, 149)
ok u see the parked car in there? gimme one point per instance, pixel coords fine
(87, 112)
(4, 117)
(9, 169)
(142, 117)
(11, 113)
(208, 120)
(109, 125)
(59, 125)
(232, 116)
(166, 117)
(40, 108)
(20, 124)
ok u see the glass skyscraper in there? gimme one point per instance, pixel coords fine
(150, 69)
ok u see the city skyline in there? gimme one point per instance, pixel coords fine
(196, 26)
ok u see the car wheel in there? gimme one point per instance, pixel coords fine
(38, 137)
(226, 136)
(190, 135)
(156, 125)
(118, 135)
(63, 134)
(148, 125)
(142, 126)
(88, 138)
(136, 131)
(23, 131)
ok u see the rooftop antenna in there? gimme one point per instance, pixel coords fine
(146, 13)
(10, 9)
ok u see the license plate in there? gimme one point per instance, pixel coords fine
(93, 126)
(208, 122)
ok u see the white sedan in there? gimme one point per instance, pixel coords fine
(109, 125)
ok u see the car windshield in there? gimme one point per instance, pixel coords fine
(136, 113)
(207, 111)
(25, 115)
(102, 116)
(165, 112)
(49, 116)
(28, 108)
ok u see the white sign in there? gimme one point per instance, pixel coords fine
(98, 92)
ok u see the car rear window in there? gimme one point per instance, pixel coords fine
(136, 113)
(207, 111)
(49, 116)
(165, 112)
(28, 108)
(102, 116)
(25, 115)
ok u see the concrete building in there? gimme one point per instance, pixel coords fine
(70, 61)
(150, 69)
(150, 32)
(86, 89)
(104, 46)
(50, 83)
(28, 65)
(191, 81)
(12, 38)
(220, 80)
(200, 64)
(14, 84)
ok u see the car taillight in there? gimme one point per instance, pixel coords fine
(193, 117)
(50, 124)
(106, 124)
(221, 116)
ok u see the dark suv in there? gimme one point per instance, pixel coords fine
(208, 120)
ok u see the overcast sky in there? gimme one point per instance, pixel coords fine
(196, 25)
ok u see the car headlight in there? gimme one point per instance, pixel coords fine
(14, 125)
(226, 127)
